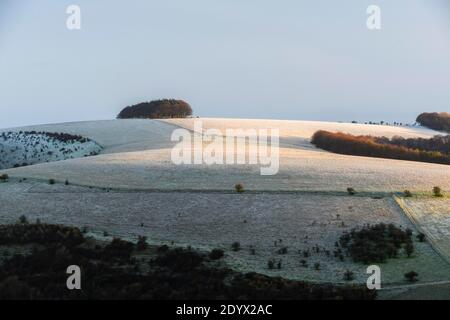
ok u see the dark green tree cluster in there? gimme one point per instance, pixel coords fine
(377, 243)
(158, 109)
(435, 120)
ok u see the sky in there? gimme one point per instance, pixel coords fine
(288, 59)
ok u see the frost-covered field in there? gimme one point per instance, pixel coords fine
(196, 204)
(114, 135)
(137, 156)
(28, 148)
(432, 215)
(298, 133)
(215, 220)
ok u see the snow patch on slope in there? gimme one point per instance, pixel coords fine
(25, 148)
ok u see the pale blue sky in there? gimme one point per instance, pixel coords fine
(288, 59)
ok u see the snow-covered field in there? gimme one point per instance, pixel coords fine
(297, 134)
(196, 204)
(136, 155)
(216, 220)
(432, 216)
(28, 148)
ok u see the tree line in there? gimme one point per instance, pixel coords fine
(344, 143)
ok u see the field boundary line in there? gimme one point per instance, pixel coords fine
(430, 237)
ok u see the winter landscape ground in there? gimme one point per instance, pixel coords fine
(132, 188)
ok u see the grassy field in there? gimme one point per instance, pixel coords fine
(133, 189)
(432, 216)
(214, 220)
(137, 156)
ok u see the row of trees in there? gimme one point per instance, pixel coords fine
(369, 146)
(158, 109)
(437, 143)
(437, 121)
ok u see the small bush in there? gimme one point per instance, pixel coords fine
(437, 192)
(411, 276)
(349, 275)
(239, 188)
(141, 243)
(409, 249)
(216, 254)
(23, 219)
(351, 191)
(236, 246)
(407, 194)
(304, 263)
(118, 249)
(421, 237)
(163, 248)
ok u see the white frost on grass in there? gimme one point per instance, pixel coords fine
(213, 220)
(137, 156)
(432, 215)
(28, 148)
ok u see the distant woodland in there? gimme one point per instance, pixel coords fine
(158, 109)
(437, 121)
(434, 150)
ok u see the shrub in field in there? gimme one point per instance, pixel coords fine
(236, 246)
(411, 276)
(216, 254)
(239, 188)
(351, 191)
(377, 243)
(421, 237)
(23, 219)
(118, 248)
(304, 263)
(437, 192)
(164, 248)
(141, 243)
(349, 275)
(407, 194)
(409, 249)
(271, 264)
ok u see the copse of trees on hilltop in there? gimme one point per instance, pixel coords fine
(158, 109)
(369, 146)
(437, 121)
